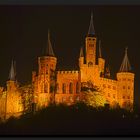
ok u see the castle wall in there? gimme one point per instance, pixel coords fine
(110, 89)
(125, 89)
(68, 87)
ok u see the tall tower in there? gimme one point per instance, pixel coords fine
(14, 105)
(125, 84)
(81, 57)
(90, 42)
(101, 61)
(87, 59)
(47, 66)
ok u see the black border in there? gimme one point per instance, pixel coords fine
(69, 2)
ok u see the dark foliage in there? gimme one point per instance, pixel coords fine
(78, 119)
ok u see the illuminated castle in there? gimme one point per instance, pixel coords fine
(69, 83)
(52, 86)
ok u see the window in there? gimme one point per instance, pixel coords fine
(46, 88)
(70, 88)
(104, 85)
(42, 88)
(91, 45)
(109, 86)
(57, 88)
(123, 87)
(114, 87)
(123, 97)
(64, 88)
(71, 99)
(90, 64)
(128, 87)
(113, 95)
(128, 97)
(46, 71)
(64, 99)
(77, 87)
(108, 94)
(124, 79)
(77, 98)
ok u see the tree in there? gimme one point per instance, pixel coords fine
(93, 96)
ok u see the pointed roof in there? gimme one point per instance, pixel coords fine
(100, 52)
(91, 30)
(81, 52)
(107, 72)
(12, 74)
(125, 66)
(49, 50)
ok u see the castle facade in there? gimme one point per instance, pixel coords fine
(52, 86)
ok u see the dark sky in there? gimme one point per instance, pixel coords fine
(23, 35)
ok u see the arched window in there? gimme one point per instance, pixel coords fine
(77, 87)
(64, 88)
(57, 88)
(42, 88)
(70, 88)
(46, 88)
(90, 64)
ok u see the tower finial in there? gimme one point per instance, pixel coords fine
(81, 52)
(12, 74)
(100, 52)
(91, 30)
(49, 51)
(125, 66)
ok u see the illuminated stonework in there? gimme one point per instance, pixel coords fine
(65, 86)
(91, 83)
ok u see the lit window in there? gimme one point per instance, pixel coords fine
(63, 99)
(77, 87)
(64, 88)
(109, 86)
(104, 85)
(114, 96)
(70, 88)
(71, 99)
(77, 99)
(108, 94)
(114, 88)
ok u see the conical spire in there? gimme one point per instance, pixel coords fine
(125, 66)
(107, 72)
(81, 52)
(12, 74)
(100, 52)
(91, 30)
(49, 51)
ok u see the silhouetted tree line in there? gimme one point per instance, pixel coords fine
(78, 119)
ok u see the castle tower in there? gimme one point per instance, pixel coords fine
(47, 66)
(90, 42)
(13, 99)
(81, 57)
(125, 84)
(89, 67)
(11, 83)
(101, 61)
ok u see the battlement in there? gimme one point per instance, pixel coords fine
(67, 72)
(108, 80)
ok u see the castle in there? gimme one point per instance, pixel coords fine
(52, 86)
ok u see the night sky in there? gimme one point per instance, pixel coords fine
(24, 29)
